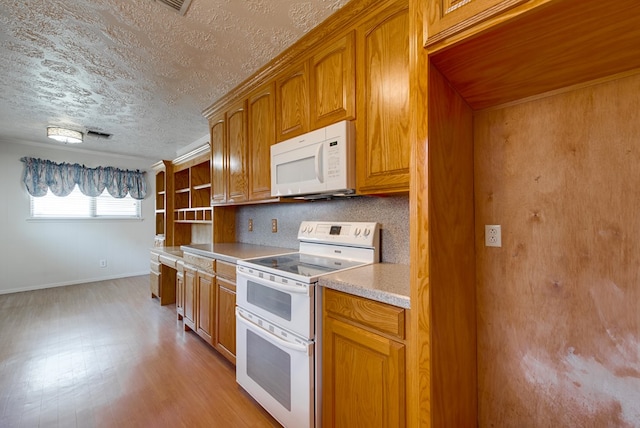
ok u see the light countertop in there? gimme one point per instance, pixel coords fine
(383, 282)
(233, 252)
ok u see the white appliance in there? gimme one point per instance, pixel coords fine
(317, 164)
(277, 318)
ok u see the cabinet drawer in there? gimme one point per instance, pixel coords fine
(155, 266)
(226, 270)
(379, 316)
(169, 261)
(205, 263)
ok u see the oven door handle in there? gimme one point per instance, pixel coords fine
(270, 337)
(278, 286)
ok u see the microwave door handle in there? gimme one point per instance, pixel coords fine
(319, 163)
(268, 336)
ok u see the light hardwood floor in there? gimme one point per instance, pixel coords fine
(105, 354)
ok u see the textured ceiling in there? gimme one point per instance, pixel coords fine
(136, 69)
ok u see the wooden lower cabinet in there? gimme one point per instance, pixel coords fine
(363, 351)
(180, 290)
(189, 319)
(205, 298)
(154, 279)
(208, 302)
(225, 328)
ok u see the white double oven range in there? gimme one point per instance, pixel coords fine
(278, 313)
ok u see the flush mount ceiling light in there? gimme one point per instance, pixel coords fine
(64, 135)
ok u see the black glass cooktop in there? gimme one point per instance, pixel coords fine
(304, 264)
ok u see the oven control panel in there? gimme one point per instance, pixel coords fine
(345, 233)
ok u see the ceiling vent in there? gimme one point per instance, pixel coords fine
(98, 134)
(180, 6)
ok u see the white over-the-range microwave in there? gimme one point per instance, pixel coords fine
(317, 164)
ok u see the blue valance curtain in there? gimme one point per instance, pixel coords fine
(40, 174)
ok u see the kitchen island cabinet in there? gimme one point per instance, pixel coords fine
(363, 372)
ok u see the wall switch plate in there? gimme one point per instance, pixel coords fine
(103, 263)
(274, 225)
(250, 225)
(492, 235)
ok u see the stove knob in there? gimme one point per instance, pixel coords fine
(367, 232)
(310, 229)
(357, 231)
(304, 229)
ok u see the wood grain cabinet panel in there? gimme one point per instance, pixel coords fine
(180, 292)
(292, 102)
(218, 159)
(205, 298)
(383, 148)
(363, 380)
(261, 133)
(225, 326)
(238, 186)
(332, 82)
(189, 318)
(446, 18)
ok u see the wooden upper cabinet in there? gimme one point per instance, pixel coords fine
(292, 102)
(238, 186)
(332, 83)
(383, 148)
(261, 132)
(446, 18)
(218, 159)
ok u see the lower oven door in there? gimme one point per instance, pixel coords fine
(276, 368)
(289, 306)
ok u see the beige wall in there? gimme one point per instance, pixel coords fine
(559, 303)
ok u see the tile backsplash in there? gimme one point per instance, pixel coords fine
(392, 212)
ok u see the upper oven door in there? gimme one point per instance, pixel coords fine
(284, 303)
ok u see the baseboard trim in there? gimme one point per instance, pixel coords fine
(63, 284)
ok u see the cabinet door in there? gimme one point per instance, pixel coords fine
(218, 160)
(189, 298)
(445, 18)
(292, 103)
(180, 294)
(225, 338)
(261, 131)
(383, 149)
(363, 378)
(205, 301)
(237, 190)
(332, 83)
(154, 280)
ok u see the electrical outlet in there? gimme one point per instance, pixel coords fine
(103, 263)
(492, 235)
(250, 225)
(274, 225)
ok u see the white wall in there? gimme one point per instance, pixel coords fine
(48, 253)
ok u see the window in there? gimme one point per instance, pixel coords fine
(77, 205)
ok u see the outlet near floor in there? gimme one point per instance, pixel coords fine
(103, 263)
